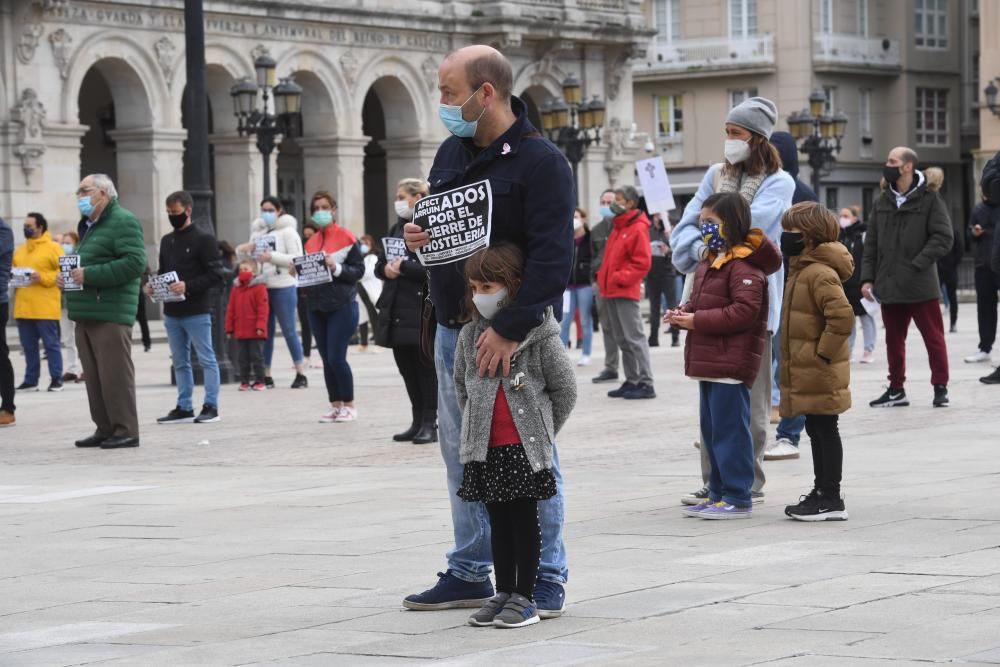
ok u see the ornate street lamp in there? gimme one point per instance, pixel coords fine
(260, 121)
(818, 135)
(573, 123)
(991, 98)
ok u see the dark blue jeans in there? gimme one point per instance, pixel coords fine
(6, 369)
(725, 430)
(791, 428)
(333, 331)
(30, 331)
(283, 303)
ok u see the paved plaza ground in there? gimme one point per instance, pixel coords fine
(271, 539)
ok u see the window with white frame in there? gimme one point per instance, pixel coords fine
(669, 116)
(742, 18)
(865, 112)
(829, 105)
(932, 116)
(739, 95)
(826, 17)
(862, 10)
(667, 18)
(930, 23)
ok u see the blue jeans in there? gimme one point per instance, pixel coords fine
(725, 430)
(791, 428)
(283, 309)
(581, 298)
(333, 331)
(30, 331)
(182, 334)
(471, 558)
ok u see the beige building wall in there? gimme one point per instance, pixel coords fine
(989, 69)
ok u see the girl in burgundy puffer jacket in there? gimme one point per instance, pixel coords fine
(727, 321)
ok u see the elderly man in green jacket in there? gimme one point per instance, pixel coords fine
(112, 258)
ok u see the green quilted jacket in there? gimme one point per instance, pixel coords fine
(113, 257)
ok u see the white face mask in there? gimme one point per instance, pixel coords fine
(403, 209)
(736, 150)
(577, 223)
(489, 305)
(845, 222)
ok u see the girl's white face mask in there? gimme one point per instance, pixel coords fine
(489, 305)
(736, 150)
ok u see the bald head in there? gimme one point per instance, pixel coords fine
(901, 155)
(480, 64)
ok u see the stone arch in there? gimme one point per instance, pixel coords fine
(534, 97)
(397, 82)
(323, 101)
(540, 75)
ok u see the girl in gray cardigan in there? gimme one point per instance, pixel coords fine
(508, 427)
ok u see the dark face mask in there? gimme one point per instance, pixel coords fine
(792, 243)
(177, 220)
(890, 174)
(29, 233)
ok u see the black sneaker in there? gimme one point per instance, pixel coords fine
(605, 376)
(268, 382)
(450, 592)
(940, 396)
(818, 507)
(892, 398)
(639, 391)
(56, 385)
(24, 386)
(209, 415)
(177, 416)
(301, 381)
(992, 378)
(654, 342)
(622, 390)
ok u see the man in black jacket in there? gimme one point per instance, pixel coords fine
(985, 228)
(495, 146)
(193, 254)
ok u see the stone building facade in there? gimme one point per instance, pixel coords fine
(97, 86)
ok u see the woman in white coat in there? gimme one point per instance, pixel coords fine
(369, 291)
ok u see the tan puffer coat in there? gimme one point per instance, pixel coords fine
(816, 321)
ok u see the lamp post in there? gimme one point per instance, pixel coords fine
(991, 98)
(260, 121)
(573, 124)
(820, 135)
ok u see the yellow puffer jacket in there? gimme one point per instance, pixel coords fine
(43, 300)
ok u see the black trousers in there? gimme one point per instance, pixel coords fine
(987, 284)
(143, 321)
(307, 336)
(656, 288)
(950, 281)
(827, 451)
(420, 380)
(516, 537)
(6, 369)
(251, 359)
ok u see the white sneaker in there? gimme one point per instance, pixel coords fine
(868, 358)
(781, 449)
(584, 361)
(331, 416)
(977, 358)
(346, 415)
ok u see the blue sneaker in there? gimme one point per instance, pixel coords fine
(695, 510)
(550, 599)
(724, 510)
(450, 592)
(517, 613)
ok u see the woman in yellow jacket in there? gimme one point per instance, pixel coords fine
(37, 307)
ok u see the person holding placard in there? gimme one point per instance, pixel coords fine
(369, 291)
(189, 270)
(274, 242)
(6, 370)
(399, 309)
(38, 306)
(333, 306)
(72, 372)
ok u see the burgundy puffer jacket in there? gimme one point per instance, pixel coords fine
(730, 315)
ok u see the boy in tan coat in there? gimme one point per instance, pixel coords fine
(815, 372)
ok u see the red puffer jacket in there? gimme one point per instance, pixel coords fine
(730, 314)
(247, 311)
(627, 257)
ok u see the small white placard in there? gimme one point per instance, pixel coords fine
(655, 185)
(66, 265)
(312, 270)
(161, 287)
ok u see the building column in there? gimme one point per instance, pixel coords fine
(238, 187)
(150, 167)
(337, 164)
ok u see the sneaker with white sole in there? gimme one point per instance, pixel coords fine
(346, 415)
(518, 612)
(484, 617)
(583, 361)
(892, 398)
(695, 510)
(780, 450)
(330, 417)
(978, 358)
(724, 510)
(695, 497)
(868, 358)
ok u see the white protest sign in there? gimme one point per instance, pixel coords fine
(394, 248)
(265, 243)
(160, 285)
(21, 276)
(871, 306)
(655, 185)
(459, 222)
(66, 265)
(312, 270)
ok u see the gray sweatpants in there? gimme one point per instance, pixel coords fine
(760, 418)
(629, 332)
(610, 346)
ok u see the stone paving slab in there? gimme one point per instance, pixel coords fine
(282, 541)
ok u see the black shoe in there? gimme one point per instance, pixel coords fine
(268, 382)
(407, 435)
(654, 342)
(24, 386)
(146, 347)
(209, 415)
(301, 381)
(892, 398)
(119, 441)
(622, 390)
(675, 343)
(992, 378)
(605, 376)
(56, 385)
(953, 329)
(818, 507)
(428, 431)
(675, 337)
(641, 390)
(940, 396)
(92, 440)
(177, 416)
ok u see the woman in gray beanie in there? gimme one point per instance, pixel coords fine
(752, 167)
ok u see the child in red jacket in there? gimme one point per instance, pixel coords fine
(727, 321)
(246, 319)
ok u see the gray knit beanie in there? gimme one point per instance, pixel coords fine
(756, 114)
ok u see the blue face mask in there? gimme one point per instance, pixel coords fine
(712, 237)
(86, 205)
(365, 248)
(451, 116)
(270, 218)
(606, 212)
(322, 218)
(67, 248)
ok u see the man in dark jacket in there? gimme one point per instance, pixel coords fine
(495, 146)
(193, 254)
(598, 242)
(6, 370)
(908, 232)
(985, 230)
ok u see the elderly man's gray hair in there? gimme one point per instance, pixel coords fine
(628, 192)
(104, 183)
